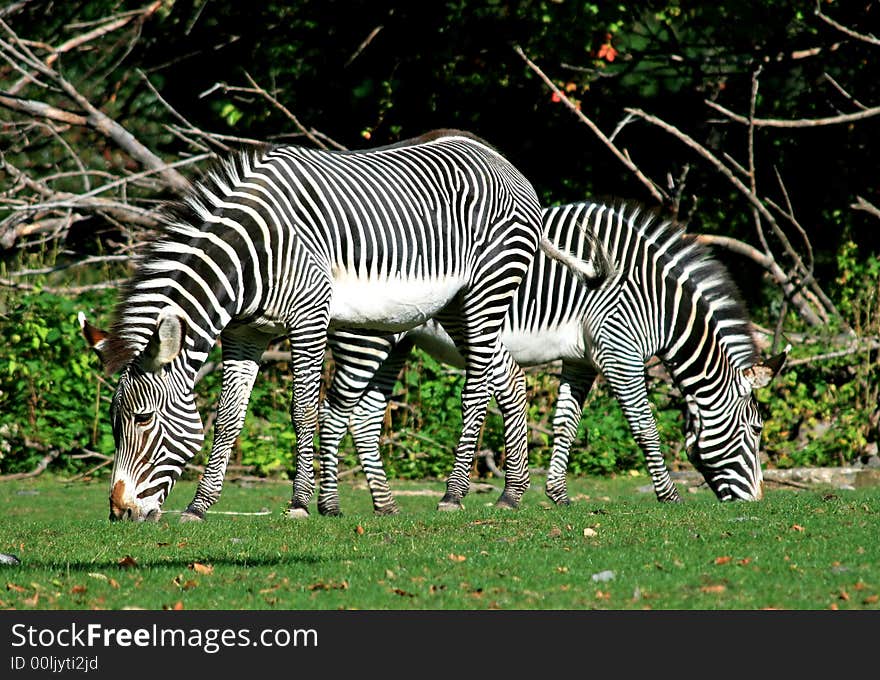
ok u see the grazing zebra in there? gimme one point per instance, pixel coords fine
(298, 242)
(665, 297)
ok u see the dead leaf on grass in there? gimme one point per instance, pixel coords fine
(321, 585)
(724, 559)
(714, 588)
(199, 568)
(457, 558)
(78, 590)
(797, 527)
(15, 587)
(127, 562)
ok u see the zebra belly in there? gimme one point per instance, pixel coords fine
(392, 304)
(531, 348)
(528, 348)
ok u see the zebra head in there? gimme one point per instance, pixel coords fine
(157, 428)
(724, 432)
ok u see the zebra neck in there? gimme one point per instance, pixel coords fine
(202, 297)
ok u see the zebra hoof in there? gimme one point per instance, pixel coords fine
(560, 499)
(507, 503)
(298, 513)
(672, 499)
(190, 516)
(449, 506)
(387, 510)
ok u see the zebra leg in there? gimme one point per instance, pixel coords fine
(241, 363)
(307, 350)
(365, 425)
(357, 358)
(477, 339)
(574, 385)
(510, 394)
(632, 394)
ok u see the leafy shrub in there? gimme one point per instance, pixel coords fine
(51, 389)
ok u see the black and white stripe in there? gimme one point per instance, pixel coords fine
(298, 242)
(666, 297)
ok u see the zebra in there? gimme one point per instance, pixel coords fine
(297, 242)
(665, 296)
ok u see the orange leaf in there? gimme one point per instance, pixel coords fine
(200, 568)
(177, 606)
(127, 562)
(723, 560)
(555, 98)
(457, 558)
(797, 527)
(359, 530)
(871, 599)
(607, 52)
(78, 590)
(14, 586)
(714, 588)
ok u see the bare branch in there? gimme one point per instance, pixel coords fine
(91, 117)
(112, 24)
(862, 204)
(868, 38)
(366, 41)
(67, 290)
(789, 287)
(653, 189)
(802, 123)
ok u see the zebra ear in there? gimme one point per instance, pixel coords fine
(95, 337)
(763, 372)
(166, 342)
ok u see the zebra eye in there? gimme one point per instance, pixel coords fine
(143, 418)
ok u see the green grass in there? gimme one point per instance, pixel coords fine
(793, 550)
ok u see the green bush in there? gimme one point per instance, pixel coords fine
(51, 389)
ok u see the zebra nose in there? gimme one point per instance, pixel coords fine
(760, 493)
(120, 506)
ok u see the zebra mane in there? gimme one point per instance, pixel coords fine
(708, 279)
(177, 219)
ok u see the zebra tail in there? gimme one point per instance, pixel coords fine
(592, 272)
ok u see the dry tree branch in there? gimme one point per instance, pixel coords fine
(108, 25)
(862, 204)
(652, 187)
(255, 88)
(788, 285)
(15, 50)
(67, 290)
(868, 38)
(799, 123)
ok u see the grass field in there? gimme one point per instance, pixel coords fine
(615, 547)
